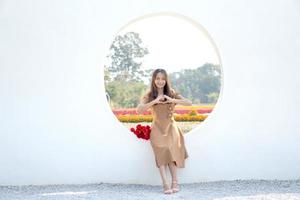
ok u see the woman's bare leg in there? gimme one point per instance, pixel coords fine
(163, 173)
(173, 170)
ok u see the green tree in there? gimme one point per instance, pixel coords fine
(125, 94)
(201, 85)
(126, 52)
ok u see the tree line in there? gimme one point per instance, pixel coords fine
(124, 82)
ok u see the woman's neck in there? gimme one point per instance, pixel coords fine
(160, 91)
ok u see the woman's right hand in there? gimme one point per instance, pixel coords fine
(159, 99)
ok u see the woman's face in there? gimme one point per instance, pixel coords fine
(160, 80)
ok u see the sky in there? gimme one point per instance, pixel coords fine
(174, 43)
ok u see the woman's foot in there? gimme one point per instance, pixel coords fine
(167, 189)
(175, 186)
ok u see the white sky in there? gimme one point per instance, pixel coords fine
(173, 43)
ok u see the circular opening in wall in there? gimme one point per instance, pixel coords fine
(172, 42)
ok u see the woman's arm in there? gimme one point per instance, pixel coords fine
(143, 106)
(183, 101)
(179, 100)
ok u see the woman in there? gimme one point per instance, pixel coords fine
(166, 137)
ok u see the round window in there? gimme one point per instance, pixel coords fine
(175, 43)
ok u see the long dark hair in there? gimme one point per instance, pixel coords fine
(168, 90)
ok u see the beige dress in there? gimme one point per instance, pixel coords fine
(166, 137)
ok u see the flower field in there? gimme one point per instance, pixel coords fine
(199, 109)
(196, 113)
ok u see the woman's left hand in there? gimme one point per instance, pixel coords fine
(169, 99)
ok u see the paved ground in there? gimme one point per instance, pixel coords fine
(219, 190)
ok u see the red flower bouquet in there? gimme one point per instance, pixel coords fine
(142, 131)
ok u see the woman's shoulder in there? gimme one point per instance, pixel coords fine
(145, 98)
(174, 93)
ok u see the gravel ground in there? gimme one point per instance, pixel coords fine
(218, 190)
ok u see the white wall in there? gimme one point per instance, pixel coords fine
(55, 124)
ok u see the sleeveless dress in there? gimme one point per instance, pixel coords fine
(166, 137)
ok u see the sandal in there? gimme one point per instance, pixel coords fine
(167, 189)
(175, 186)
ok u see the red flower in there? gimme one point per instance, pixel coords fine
(142, 131)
